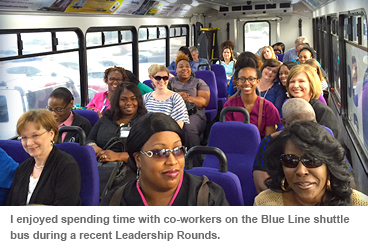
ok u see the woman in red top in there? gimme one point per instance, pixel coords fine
(247, 78)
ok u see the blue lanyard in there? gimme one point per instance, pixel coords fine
(103, 105)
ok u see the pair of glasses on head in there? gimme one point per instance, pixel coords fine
(56, 110)
(161, 154)
(292, 161)
(115, 79)
(34, 137)
(158, 78)
(251, 80)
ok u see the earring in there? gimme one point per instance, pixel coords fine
(328, 184)
(283, 181)
(137, 175)
(52, 142)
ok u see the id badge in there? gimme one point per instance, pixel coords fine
(124, 132)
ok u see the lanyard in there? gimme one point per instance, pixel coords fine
(104, 102)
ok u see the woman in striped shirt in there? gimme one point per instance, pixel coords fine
(162, 99)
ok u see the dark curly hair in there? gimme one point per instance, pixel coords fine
(115, 68)
(115, 111)
(314, 142)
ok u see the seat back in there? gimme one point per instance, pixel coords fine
(173, 73)
(90, 182)
(212, 107)
(221, 81)
(227, 180)
(148, 82)
(239, 142)
(92, 116)
(15, 150)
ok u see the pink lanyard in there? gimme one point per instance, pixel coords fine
(173, 198)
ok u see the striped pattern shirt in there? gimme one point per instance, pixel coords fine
(174, 106)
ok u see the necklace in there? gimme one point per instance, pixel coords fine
(38, 167)
(265, 93)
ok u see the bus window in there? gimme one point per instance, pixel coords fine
(67, 40)
(8, 45)
(357, 83)
(36, 42)
(178, 38)
(256, 35)
(111, 37)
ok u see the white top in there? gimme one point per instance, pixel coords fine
(32, 185)
(174, 106)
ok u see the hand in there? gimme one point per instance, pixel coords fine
(184, 95)
(108, 155)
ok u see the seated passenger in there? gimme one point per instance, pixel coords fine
(60, 103)
(267, 52)
(7, 171)
(50, 176)
(193, 90)
(306, 53)
(232, 90)
(228, 60)
(247, 80)
(162, 99)
(193, 64)
(278, 48)
(156, 153)
(314, 63)
(132, 78)
(126, 106)
(307, 167)
(284, 72)
(101, 101)
(195, 55)
(303, 82)
(293, 109)
(292, 54)
(268, 86)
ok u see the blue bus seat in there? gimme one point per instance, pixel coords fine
(212, 107)
(221, 176)
(92, 116)
(239, 142)
(221, 81)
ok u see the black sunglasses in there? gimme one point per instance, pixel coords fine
(178, 153)
(158, 78)
(292, 161)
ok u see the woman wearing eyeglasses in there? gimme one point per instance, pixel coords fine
(262, 112)
(50, 176)
(60, 103)
(156, 154)
(307, 167)
(101, 100)
(162, 99)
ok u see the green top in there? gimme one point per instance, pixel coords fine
(144, 88)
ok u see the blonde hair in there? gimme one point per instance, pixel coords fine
(154, 68)
(312, 62)
(314, 81)
(41, 118)
(272, 51)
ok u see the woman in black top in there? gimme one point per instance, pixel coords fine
(50, 176)
(156, 153)
(126, 106)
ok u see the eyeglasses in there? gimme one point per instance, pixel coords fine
(161, 154)
(116, 79)
(56, 110)
(158, 78)
(251, 80)
(34, 137)
(292, 161)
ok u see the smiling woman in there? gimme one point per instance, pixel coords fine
(156, 154)
(50, 176)
(307, 167)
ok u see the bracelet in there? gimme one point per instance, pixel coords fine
(92, 144)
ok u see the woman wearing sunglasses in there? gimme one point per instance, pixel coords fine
(162, 99)
(156, 154)
(50, 176)
(307, 167)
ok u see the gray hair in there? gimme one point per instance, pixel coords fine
(301, 40)
(297, 109)
(193, 49)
